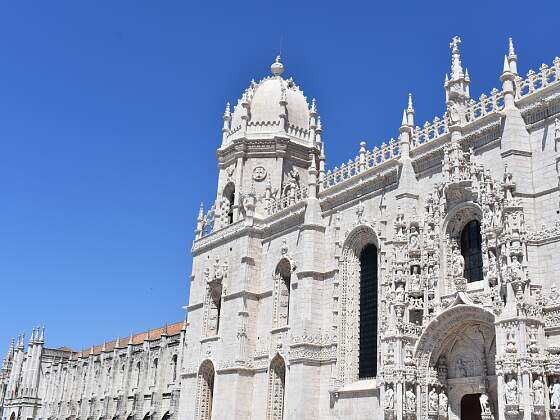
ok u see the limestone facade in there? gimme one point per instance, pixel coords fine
(417, 280)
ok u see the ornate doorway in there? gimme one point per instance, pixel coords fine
(470, 407)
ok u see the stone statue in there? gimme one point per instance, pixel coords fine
(415, 278)
(538, 392)
(460, 370)
(458, 263)
(399, 296)
(555, 394)
(510, 340)
(413, 241)
(484, 405)
(442, 403)
(410, 400)
(511, 392)
(389, 398)
(434, 400)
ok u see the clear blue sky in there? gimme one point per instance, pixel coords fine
(110, 114)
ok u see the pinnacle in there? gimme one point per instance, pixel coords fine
(277, 68)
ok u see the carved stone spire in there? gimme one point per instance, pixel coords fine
(512, 57)
(410, 111)
(456, 67)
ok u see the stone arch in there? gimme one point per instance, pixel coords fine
(457, 352)
(205, 390)
(13, 416)
(166, 416)
(453, 224)
(282, 290)
(349, 301)
(276, 388)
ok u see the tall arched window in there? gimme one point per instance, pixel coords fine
(138, 369)
(205, 390)
(155, 378)
(282, 293)
(229, 201)
(276, 389)
(213, 308)
(368, 312)
(174, 368)
(471, 249)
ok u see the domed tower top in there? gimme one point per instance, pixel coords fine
(272, 107)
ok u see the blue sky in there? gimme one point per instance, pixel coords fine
(110, 114)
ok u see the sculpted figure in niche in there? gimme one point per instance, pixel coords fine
(389, 398)
(434, 400)
(410, 400)
(555, 394)
(415, 278)
(458, 263)
(460, 369)
(511, 392)
(413, 241)
(399, 294)
(484, 405)
(538, 392)
(442, 402)
(510, 340)
(516, 268)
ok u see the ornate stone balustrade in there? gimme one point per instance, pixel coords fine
(292, 197)
(429, 132)
(485, 105)
(536, 81)
(366, 159)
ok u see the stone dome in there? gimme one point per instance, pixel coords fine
(264, 102)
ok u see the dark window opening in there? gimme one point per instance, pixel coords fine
(415, 316)
(470, 407)
(471, 249)
(368, 312)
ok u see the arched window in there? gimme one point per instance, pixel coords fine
(213, 308)
(155, 373)
(471, 249)
(368, 312)
(276, 389)
(205, 390)
(282, 293)
(174, 368)
(138, 368)
(229, 202)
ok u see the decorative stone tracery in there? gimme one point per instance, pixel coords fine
(276, 388)
(205, 391)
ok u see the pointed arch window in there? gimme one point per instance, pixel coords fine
(213, 308)
(205, 391)
(174, 368)
(471, 250)
(276, 389)
(155, 373)
(282, 287)
(368, 312)
(228, 202)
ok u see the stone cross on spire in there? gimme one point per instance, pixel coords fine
(456, 68)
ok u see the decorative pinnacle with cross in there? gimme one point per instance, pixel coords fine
(454, 44)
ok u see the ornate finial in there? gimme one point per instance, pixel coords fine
(410, 106)
(165, 333)
(456, 68)
(184, 327)
(511, 52)
(201, 212)
(277, 68)
(227, 113)
(130, 341)
(313, 106)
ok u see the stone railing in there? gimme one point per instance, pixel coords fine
(365, 160)
(208, 222)
(538, 80)
(292, 196)
(485, 105)
(429, 132)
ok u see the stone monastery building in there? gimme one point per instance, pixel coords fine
(417, 280)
